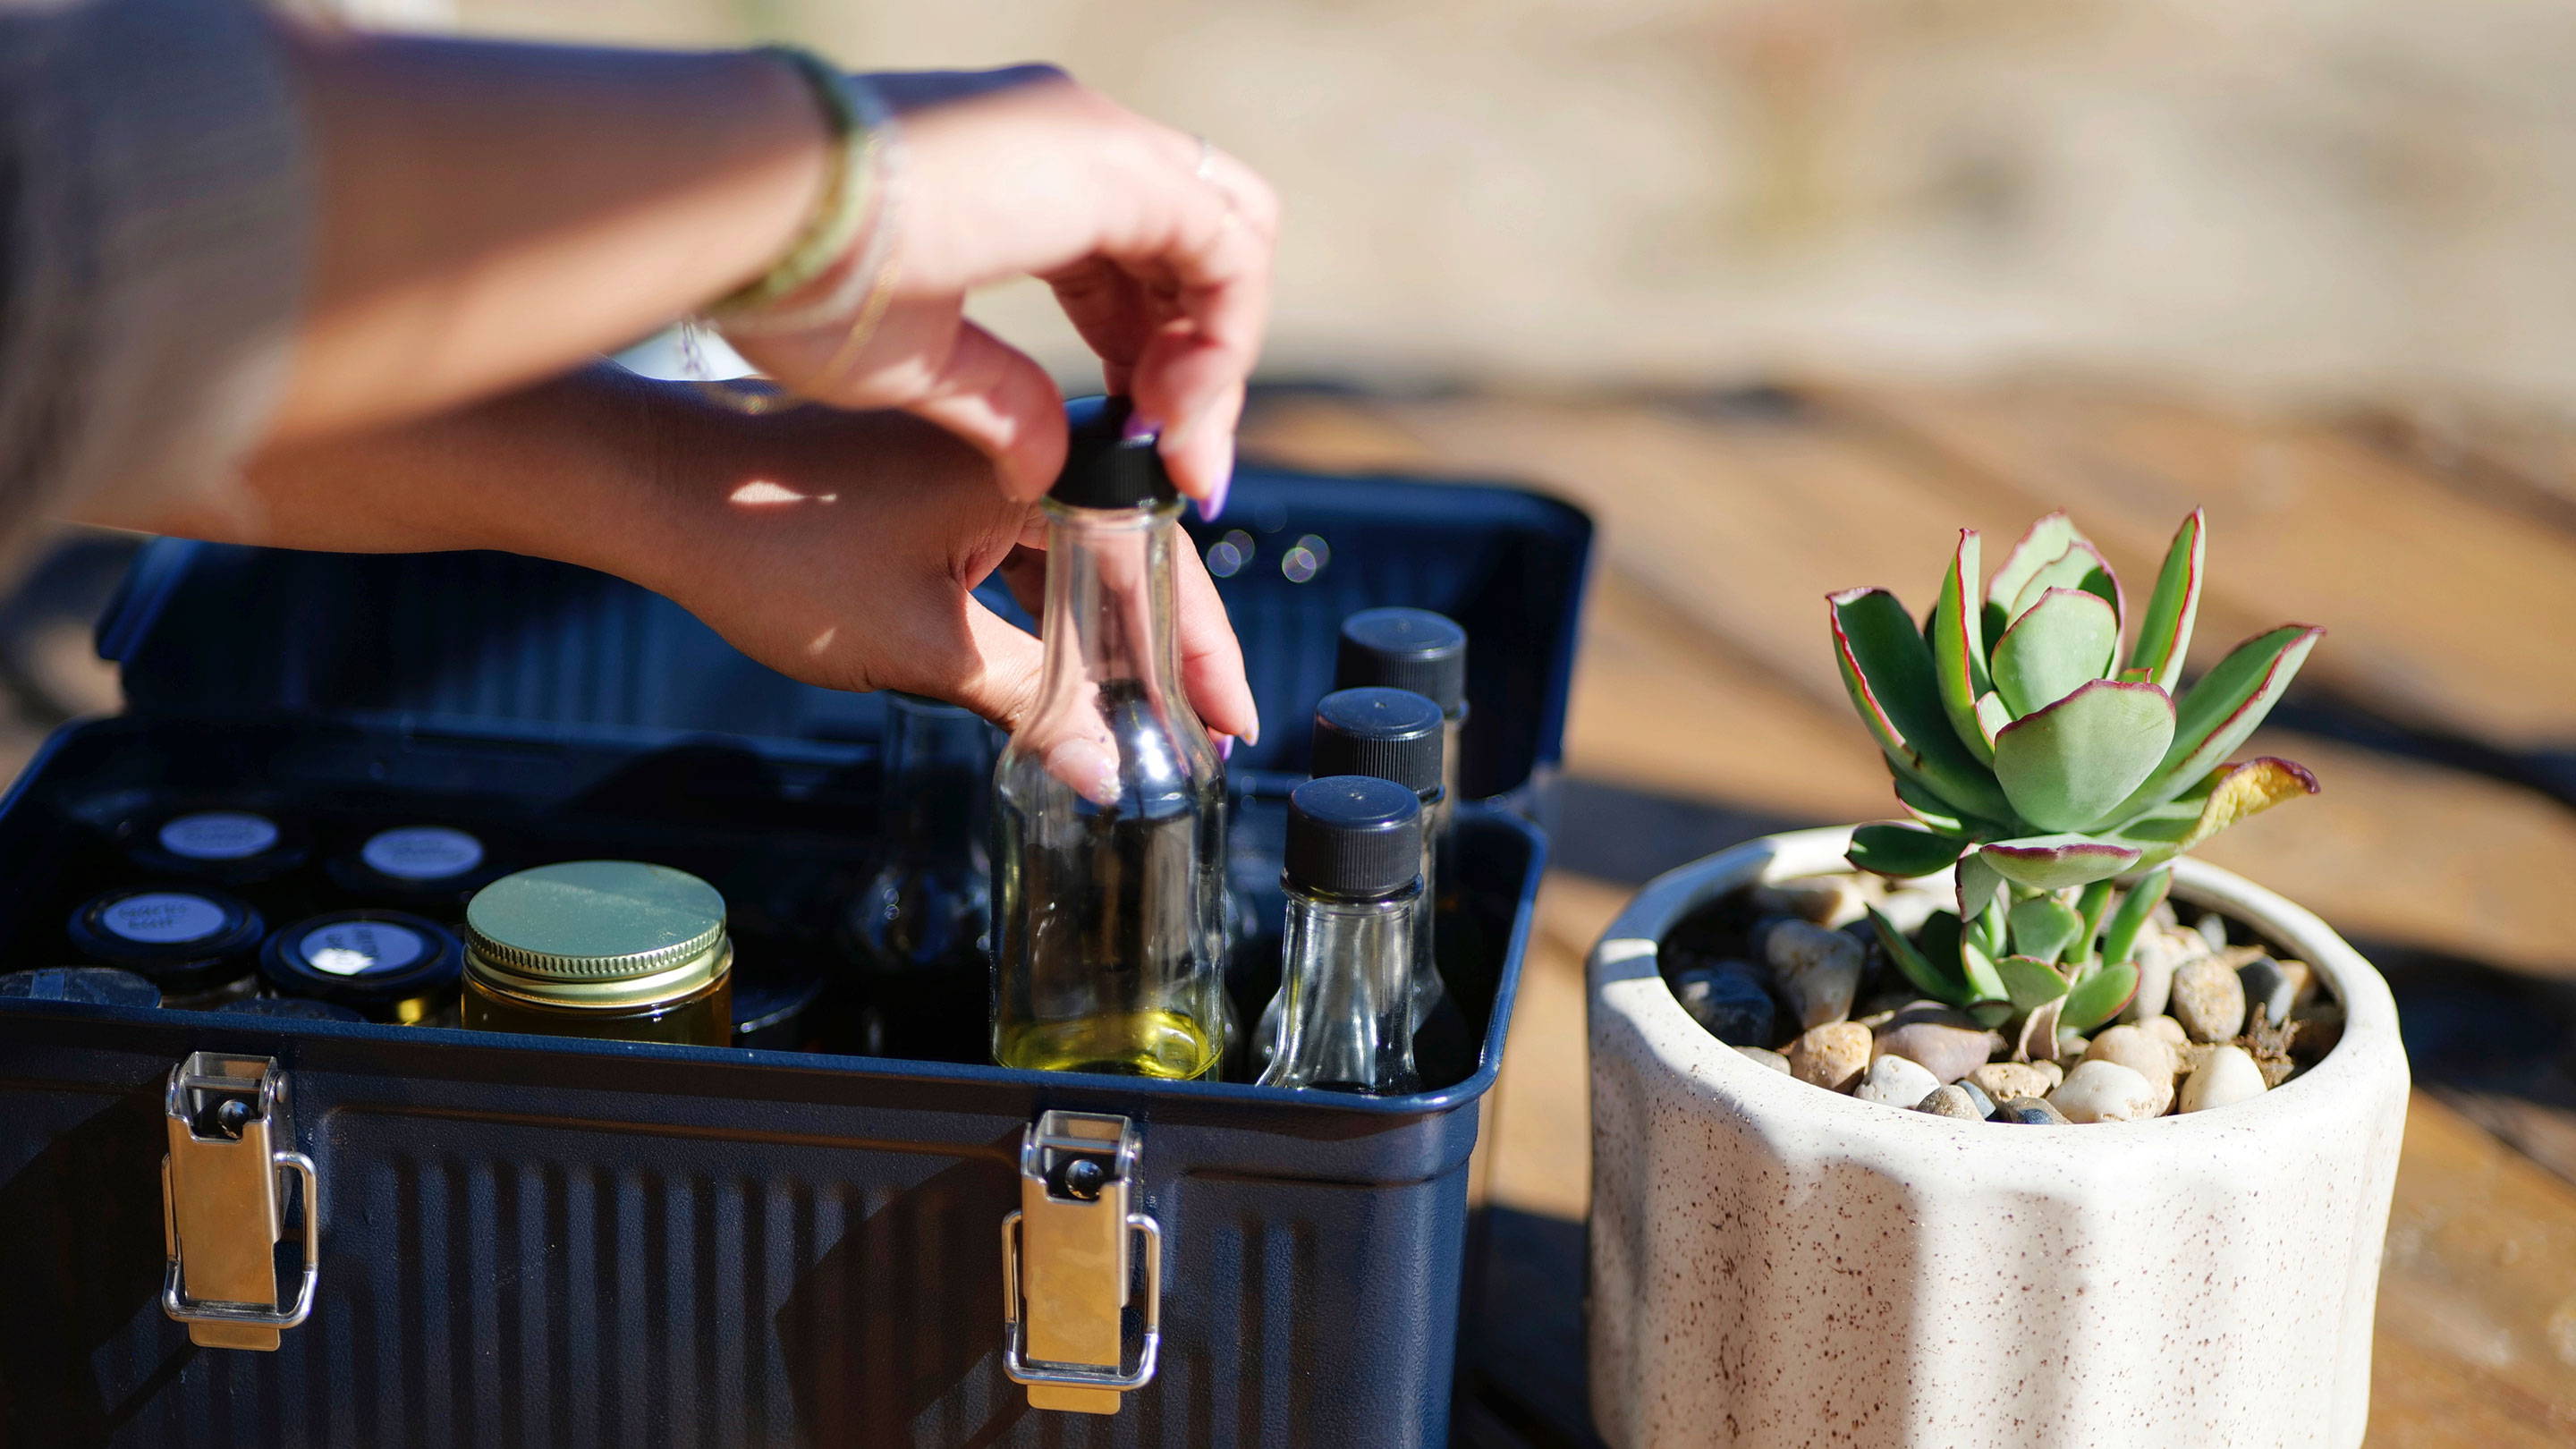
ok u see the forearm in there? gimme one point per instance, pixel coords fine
(491, 214)
(574, 468)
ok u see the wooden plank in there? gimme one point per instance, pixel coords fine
(2441, 602)
(1542, 1129)
(2522, 461)
(2477, 1300)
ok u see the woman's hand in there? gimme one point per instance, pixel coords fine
(840, 548)
(843, 548)
(1157, 245)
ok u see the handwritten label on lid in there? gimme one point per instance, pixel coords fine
(164, 918)
(219, 835)
(422, 852)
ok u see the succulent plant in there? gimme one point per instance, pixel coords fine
(2039, 759)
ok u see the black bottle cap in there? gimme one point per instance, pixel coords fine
(185, 939)
(1351, 835)
(1105, 468)
(1390, 734)
(1413, 649)
(369, 961)
(224, 843)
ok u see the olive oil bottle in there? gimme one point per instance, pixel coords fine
(1109, 892)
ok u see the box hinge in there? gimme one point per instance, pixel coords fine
(224, 1202)
(1068, 1264)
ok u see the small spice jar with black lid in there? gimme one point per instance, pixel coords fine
(198, 944)
(600, 948)
(231, 847)
(434, 868)
(387, 966)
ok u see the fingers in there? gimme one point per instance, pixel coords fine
(1211, 657)
(1001, 684)
(1176, 299)
(999, 400)
(997, 677)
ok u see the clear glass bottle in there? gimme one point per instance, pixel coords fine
(1396, 735)
(1109, 803)
(919, 931)
(1354, 880)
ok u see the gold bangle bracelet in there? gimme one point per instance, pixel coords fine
(842, 212)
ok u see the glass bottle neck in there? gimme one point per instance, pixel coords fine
(1110, 600)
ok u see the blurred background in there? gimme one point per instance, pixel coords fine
(2293, 198)
(1785, 291)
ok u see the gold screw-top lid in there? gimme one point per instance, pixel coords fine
(598, 932)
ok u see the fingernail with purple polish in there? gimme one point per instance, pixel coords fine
(1225, 747)
(1139, 428)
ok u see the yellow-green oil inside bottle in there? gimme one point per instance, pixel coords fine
(1165, 1044)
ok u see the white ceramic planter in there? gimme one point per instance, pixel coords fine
(1777, 1265)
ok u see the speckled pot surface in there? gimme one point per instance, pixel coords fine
(1774, 1264)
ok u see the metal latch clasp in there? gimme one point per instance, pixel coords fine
(1068, 1262)
(223, 1202)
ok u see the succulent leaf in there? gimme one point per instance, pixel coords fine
(1888, 670)
(2056, 862)
(1934, 812)
(2078, 760)
(1903, 851)
(2164, 634)
(2043, 544)
(1957, 637)
(2081, 568)
(2043, 927)
(2227, 795)
(2219, 711)
(2090, 907)
(2029, 983)
(2060, 643)
(1980, 886)
(2247, 790)
(1947, 948)
(2120, 938)
(2098, 998)
(1992, 715)
(1931, 980)
(1991, 931)
(1977, 964)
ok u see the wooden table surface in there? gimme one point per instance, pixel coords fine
(2438, 546)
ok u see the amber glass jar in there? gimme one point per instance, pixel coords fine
(600, 948)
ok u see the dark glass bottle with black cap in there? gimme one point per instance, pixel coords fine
(1418, 650)
(388, 966)
(199, 945)
(1109, 803)
(1354, 882)
(919, 930)
(247, 849)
